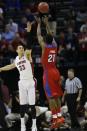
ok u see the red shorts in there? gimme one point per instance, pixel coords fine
(51, 81)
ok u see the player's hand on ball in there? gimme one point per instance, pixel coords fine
(45, 20)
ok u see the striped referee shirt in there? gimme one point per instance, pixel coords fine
(73, 85)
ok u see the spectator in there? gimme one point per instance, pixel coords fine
(5, 94)
(44, 120)
(81, 15)
(70, 18)
(61, 40)
(29, 15)
(84, 122)
(83, 26)
(15, 110)
(2, 24)
(62, 59)
(71, 39)
(71, 45)
(10, 52)
(8, 35)
(12, 26)
(64, 112)
(3, 111)
(22, 24)
(1, 12)
(2, 115)
(62, 50)
(82, 38)
(2, 21)
(13, 4)
(73, 92)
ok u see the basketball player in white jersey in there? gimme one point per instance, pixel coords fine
(26, 84)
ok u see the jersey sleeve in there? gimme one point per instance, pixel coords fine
(78, 83)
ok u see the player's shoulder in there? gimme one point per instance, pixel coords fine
(67, 80)
(17, 57)
(76, 79)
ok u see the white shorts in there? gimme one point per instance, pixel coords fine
(27, 92)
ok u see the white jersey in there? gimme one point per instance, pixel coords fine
(24, 67)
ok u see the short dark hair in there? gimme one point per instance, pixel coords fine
(72, 70)
(49, 39)
(20, 44)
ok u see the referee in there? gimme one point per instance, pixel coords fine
(73, 92)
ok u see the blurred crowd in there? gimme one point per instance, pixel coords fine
(73, 38)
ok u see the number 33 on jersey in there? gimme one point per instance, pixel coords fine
(23, 65)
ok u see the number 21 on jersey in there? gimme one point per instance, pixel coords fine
(51, 58)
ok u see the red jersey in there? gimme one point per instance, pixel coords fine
(51, 75)
(49, 56)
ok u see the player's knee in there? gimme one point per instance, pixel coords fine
(33, 111)
(33, 108)
(22, 110)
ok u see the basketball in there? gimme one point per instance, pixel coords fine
(43, 7)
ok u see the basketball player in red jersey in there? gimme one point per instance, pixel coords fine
(51, 75)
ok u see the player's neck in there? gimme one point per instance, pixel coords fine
(72, 78)
(20, 56)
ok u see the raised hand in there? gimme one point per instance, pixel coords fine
(45, 20)
(29, 25)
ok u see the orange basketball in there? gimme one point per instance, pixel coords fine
(43, 7)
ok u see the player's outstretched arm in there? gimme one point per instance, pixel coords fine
(28, 54)
(45, 19)
(39, 36)
(7, 67)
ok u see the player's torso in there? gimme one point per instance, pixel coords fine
(24, 67)
(49, 56)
